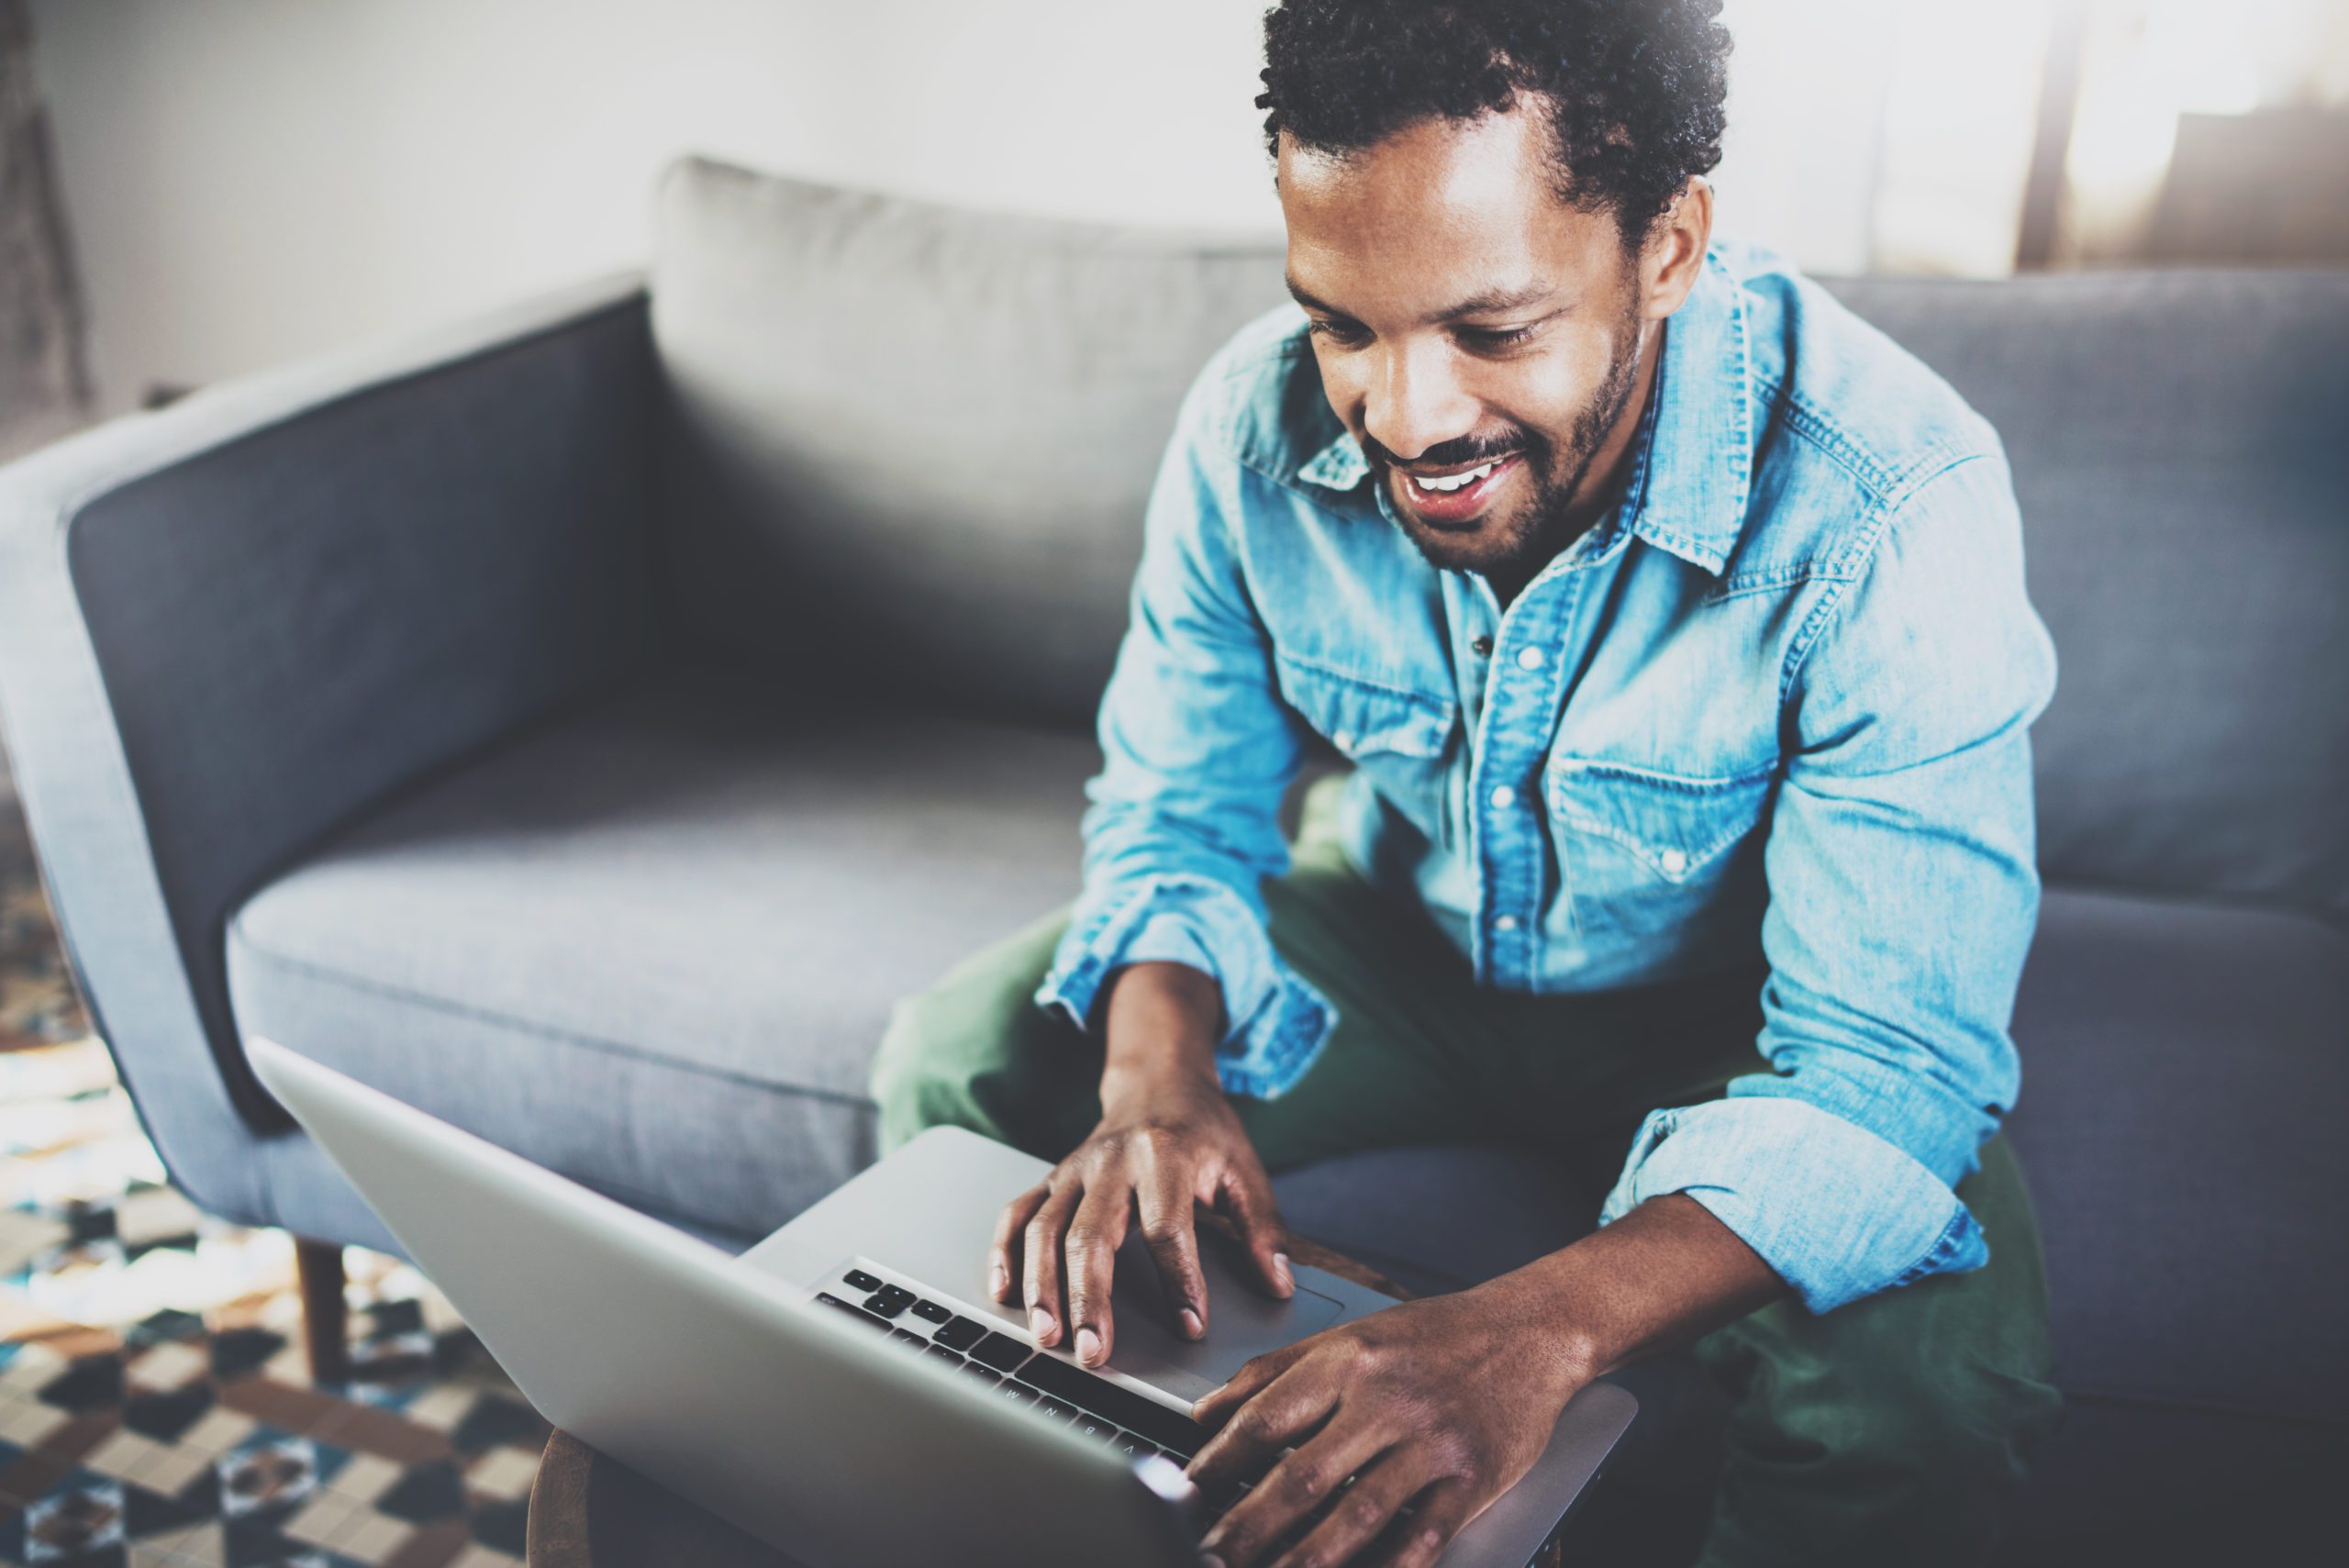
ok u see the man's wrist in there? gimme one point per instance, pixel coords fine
(1557, 1345)
(1159, 1030)
(1663, 1275)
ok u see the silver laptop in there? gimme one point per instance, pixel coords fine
(847, 1391)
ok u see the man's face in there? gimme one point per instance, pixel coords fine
(1465, 316)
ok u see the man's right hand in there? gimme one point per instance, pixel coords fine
(1167, 1140)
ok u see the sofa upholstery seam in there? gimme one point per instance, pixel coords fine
(546, 1031)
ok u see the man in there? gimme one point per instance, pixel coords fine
(1674, 621)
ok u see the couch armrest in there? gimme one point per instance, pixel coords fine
(232, 625)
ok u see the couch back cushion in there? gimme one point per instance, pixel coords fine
(911, 444)
(2180, 444)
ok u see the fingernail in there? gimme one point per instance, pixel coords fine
(1000, 1280)
(1040, 1323)
(1280, 1269)
(1192, 1327)
(1211, 1561)
(1088, 1344)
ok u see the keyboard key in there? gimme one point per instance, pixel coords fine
(884, 1305)
(943, 1353)
(861, 1280)
(1167, 1428)
(898, 1295)
(1017, 1393)
(1132, 1446)
(960, 1334)
(1047, 1404)
(854, 1310)
(1000, 1351)
(930, 1312)
(909, 1336)
(981, 1374)
(1095, 1427)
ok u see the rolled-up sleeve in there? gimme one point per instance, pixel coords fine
(1198, 750)
(1903, 895)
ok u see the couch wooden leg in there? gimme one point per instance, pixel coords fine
(324, 1326)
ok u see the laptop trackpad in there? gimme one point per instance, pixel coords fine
(1242, 1321)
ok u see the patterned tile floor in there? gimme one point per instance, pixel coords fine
(154, 1409)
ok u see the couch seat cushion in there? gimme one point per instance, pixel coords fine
(653, 946)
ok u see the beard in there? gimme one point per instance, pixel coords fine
(1512, 546)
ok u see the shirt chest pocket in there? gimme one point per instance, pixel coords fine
(1644, 851)
(1401, 739)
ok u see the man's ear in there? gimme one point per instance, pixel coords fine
(1674, 253)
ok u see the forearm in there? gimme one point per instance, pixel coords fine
(1663, 1275)
(1160, 1027)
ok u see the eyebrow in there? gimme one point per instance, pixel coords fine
(1491, 300)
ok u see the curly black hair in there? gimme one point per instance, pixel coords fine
(1633, 89)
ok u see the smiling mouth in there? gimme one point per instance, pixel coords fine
(1460, 495)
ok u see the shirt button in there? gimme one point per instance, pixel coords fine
(1673, 862)
(1505, 923)
(1502, 798)
(1529, 659)
(1343, 739)
(1483, 646)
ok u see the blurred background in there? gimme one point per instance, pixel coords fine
(243, 182)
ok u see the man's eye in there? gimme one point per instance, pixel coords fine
(1336, 331)
(1495, 337)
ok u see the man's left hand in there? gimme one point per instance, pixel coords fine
(1407, 1400)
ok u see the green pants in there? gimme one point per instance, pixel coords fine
(1884, 1432)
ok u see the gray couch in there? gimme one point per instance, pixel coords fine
(585, 722)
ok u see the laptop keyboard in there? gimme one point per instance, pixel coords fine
(1090, 1406)
(1093, 1406)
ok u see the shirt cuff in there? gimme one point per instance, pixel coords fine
(1165, 937)
(1836, 1210)
(1278, 1022)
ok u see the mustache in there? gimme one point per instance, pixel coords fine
(1461, 449)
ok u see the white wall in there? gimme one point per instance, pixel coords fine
(254, 180)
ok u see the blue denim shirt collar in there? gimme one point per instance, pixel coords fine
(1689, 487)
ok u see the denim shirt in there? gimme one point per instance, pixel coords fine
(1773, 707)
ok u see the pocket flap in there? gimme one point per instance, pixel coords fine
(1674, 824)
(1359, 716)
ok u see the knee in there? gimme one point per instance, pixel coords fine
(974, 1050)
(923, 1075)
(1954, 1401)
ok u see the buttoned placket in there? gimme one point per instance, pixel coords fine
(1507, 830)
(1514, 687)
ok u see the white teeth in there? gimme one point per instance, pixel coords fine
(1453, 482)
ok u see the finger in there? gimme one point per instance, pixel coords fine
(1041, 1249)
(1438, 1513)
(1384, 1486)
(1164, 1196)
(1211, 1410)
(1246, 1193)
(1306, 1479)
(1003, 1259)
(1284, 1412)
(1094, 1233)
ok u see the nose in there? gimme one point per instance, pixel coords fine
(1415, 402)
